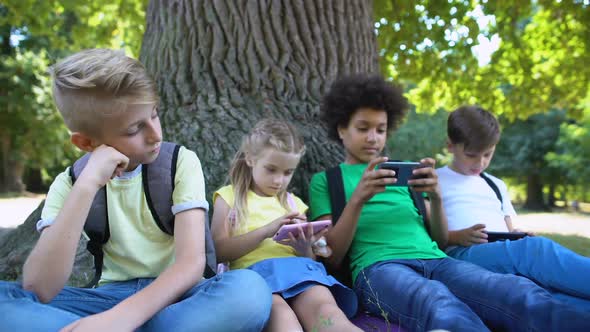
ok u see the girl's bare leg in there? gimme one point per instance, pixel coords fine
(282, 317)
(317, 310)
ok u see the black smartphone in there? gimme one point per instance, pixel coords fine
(503, 236)
(403, 170)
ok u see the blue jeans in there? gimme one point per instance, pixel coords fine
(234, 301)
(558, 269)
(426, 294)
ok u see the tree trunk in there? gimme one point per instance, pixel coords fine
(16, 243)
(13, 168)
(222, 65)
(551, 196)
(534, 193)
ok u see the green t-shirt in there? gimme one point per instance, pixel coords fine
(389, 225)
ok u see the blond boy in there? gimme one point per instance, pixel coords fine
(150, 280)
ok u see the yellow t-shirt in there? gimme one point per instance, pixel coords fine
(136, 248)
(261, 211)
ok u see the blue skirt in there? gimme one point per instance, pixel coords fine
(290, 276)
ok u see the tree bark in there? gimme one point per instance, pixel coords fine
(13, 168)
(222, 65)
(17, 243)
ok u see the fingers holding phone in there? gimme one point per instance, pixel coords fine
(424, 177)
(374, 180)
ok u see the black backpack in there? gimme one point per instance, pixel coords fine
(158, 186)
(338, 202)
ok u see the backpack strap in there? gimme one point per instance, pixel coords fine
(336, 191)
(291, 202)
(158, 185)
(96, 226)
(418, 200)
(493, 185)
(338, 202)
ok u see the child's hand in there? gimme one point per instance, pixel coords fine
(518, 230)
(98, 322)
(428, 181)
(300, 218)
(373, 181)
(105, 163)
(304, 241)
(473, 235)
(273, 227)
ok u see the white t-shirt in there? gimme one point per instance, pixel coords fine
(469, 200)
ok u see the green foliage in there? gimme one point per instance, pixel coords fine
(523, 147)
(74, 25)
(420, 136)
(27, 116)
(540, 63)
(30, 126)
(573, 151)
(578, 244)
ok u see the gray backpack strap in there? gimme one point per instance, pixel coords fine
(158, 184)
(97, 222)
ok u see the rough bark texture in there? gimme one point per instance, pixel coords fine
(223, 65)
(16, 243)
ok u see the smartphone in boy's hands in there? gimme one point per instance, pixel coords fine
(403, 171)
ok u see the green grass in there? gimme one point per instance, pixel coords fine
(578, 244)
(10, 194)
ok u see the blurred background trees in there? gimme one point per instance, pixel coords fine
(33, 34)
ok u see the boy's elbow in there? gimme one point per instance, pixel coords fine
(44, 294)
(443, 241)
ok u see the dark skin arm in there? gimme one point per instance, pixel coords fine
(435, 215)
(340, 236)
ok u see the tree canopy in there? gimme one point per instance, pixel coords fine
(540, 61)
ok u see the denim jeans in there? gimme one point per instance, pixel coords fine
(558, 269)
(426, 294)
(234, 301)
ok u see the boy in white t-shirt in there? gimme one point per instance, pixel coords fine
(475, 206)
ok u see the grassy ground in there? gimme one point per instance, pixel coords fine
(578, 244)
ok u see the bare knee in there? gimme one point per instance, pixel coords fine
(282, 317)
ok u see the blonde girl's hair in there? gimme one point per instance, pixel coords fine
(267, 133)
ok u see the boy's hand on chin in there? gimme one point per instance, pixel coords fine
(105, 163)
(428, 181)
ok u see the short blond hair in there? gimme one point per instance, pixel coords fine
(93, 84)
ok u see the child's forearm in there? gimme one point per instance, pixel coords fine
(50, 263)
(509, 225)
(166, 289)
(341, 235)
(455, 238)
(232, 248)
(438, 222)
